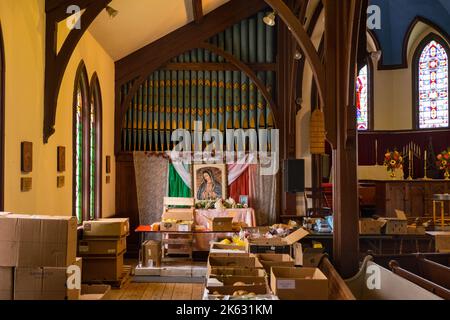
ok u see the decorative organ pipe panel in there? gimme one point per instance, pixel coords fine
(175, 98)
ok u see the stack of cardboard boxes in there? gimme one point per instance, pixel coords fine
(103, 247)
(236, 275)
(35, 252)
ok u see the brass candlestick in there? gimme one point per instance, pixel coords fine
(411, 163)
(425, 168)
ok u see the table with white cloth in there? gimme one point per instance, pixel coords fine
(202, 216)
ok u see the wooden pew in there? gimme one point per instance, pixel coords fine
(421, 281)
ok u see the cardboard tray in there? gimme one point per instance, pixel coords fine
(286, 241)
(247, 272)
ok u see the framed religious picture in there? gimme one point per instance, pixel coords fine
(243, 200)
(210, 181)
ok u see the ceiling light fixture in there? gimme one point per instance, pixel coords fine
(269, 19)
(111, 11)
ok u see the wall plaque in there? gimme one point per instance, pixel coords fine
(26, 152)
(26, 184)
(61, 159)
(60, 181)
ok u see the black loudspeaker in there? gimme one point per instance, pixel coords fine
(294, 175)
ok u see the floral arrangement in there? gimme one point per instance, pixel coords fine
(443, 162)
(393, 160)
(229, 203)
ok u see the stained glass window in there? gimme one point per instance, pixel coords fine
(92, 157)
(433, 87)
(362, 99)
(79, 155)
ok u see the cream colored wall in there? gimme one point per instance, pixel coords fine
(23, 24)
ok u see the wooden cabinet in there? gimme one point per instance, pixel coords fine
(413, 197)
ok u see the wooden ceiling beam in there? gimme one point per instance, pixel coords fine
(56, 62)
(197, 8)
(149, 58)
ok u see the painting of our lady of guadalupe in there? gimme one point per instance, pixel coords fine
(210, 182)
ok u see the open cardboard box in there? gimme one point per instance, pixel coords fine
(219, 248)
(272, 243)
(232, 261)
(230, 290)
(299, 283)
(177, 220)
(226, 271)
(398, 225)
(269, 260)
(95, 292)
(221, 281)
(370, 226)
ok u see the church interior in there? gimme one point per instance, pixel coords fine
(224, 150)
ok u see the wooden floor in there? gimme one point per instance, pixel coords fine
(158, 291)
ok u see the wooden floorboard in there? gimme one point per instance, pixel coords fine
(134, 291)
(158, 291)
(197, 291)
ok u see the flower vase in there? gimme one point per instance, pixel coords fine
(392, 174)
(447, 175)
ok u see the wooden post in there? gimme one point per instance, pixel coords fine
(342, 21)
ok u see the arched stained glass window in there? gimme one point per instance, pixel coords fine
(87, 150)
(362, 98)
(80, 169)
(432, 89)
(95, 152)
(2, 120)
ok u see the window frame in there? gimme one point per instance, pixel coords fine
(81, 79)
(370, 94)
(415, 78)
(2, 120)
(96, 99)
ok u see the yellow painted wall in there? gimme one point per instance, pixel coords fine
(23, 24)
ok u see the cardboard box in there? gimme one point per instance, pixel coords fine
(102, 268)
(312, 257)
(269, 260)
(102, 247)
(234, 262)
(394, 226)
(246, 272)
(370, 226)
(299, 284)
(230, 290)
(221, 281)
(420, 230)
(275, 245)
(95, 292)
(177, 220)
(151, 253)
(115, 228)
(40, 283)
(74, 294)
(220, 224)
(34, 241)
(217, 247)
(443, 242)
(6, 283)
